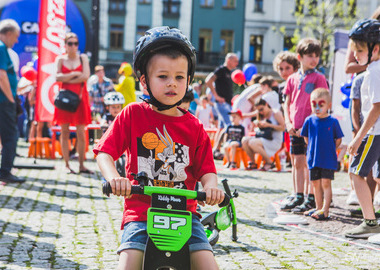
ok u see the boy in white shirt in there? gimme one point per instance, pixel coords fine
(365, 147)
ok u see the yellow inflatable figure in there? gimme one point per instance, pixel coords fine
(126, 84)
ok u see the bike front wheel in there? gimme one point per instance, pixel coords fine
(212, 236)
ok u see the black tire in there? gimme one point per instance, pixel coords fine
(213, 237)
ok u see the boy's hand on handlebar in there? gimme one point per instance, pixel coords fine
(121, 187)
(214, 196)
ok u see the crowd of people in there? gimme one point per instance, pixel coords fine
(269, 116)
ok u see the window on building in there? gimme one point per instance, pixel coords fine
(117, 5)
(259, 6)
(288, 43)
(205, 38)
(255, 48)
(171, 8)
(226, 41)
(141, 29)
(116, 36)
(207, 3)
(228, 3)
(145, 1)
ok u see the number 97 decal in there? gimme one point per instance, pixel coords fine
(165, 222)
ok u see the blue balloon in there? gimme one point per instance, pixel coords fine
(35, 64)
(346, 88)
(249, 70)
(346, 102)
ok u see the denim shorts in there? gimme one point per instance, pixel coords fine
(135, 236)
(223, 117)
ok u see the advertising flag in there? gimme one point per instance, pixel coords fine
(51, 41)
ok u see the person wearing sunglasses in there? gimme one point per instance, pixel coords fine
(73, 71)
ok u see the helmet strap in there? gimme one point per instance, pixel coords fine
(370, 46)
(160, 106)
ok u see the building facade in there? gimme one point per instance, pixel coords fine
(250, 28)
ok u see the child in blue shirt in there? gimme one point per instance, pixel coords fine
(323, 135)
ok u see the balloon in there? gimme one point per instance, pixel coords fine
(35, 64)
(30, 74)
(346, 88)
(346, 102)
(249, 70)
(25, 69)
(238, 77)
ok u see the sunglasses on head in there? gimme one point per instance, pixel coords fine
(73, 43)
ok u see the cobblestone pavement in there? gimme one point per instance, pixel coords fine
(60, 221)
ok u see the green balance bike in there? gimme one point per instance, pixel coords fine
(222, 219)
(169, 225)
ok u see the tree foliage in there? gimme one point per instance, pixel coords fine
(320, 19)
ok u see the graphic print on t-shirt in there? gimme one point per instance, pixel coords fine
(162, 159)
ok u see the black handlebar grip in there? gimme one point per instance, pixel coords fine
(226, 187)
(201, 196)
(107, 190)
(226, 200)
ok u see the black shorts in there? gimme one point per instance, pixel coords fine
(319, 173)
(368, 155)
(297, 145)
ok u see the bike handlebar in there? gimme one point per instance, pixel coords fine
(149, 190)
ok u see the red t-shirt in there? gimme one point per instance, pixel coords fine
(173, 151)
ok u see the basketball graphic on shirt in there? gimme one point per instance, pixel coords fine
(150, 140)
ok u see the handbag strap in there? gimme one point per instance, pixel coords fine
(81, 86)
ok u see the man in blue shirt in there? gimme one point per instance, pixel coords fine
(9, 33)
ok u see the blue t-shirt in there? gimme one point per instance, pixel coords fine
(321, 134)
(7, 65)
(193, 104)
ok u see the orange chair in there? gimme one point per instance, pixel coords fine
(211, 133)
(275, 159)
(240, 156)
(34, 148)
(39, 147)
(45, 145)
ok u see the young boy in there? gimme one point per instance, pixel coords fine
(297, 107)
(323, 135)
(234, 134)
(166, 142)
(114, 104)
(365, 37)
(204, 112)
(186, 101)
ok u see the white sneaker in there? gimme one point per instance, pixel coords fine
(352, 198)
(374, 239)
(376, 200)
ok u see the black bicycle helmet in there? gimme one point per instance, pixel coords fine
(367, 30)
(154, 40)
